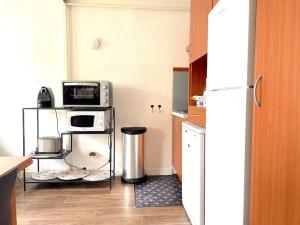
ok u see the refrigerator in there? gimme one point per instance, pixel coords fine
(230, 69)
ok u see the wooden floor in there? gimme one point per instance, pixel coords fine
(86, 204)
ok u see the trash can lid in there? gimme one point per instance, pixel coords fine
(133, 130)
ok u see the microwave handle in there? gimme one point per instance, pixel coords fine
(81, 84)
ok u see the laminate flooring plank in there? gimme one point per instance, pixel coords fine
(91, 204)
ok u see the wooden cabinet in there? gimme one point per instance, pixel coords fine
(197, 84)
(177, 145)
(275, 193)
(198, 56)
(197, 78)
(198, 28)
(215, 2)
(174, 142)
(197, 115)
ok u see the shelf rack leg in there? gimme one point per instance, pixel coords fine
(110, 160)
(38, 135)
(114, 152)
(37, 127)
(24, 181)
(23, 132)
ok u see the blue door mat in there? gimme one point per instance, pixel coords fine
(158, 191)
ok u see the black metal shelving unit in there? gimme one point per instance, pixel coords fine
(110, 131)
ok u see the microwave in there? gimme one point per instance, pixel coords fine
(87, 93)
(88, 120)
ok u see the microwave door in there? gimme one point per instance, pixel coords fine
(88, 120)
(82, 121)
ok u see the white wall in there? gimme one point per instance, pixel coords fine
(140, 48)
(32, 54)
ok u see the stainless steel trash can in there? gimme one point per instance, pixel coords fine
(133, 155)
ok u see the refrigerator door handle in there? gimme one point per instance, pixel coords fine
(258, 104)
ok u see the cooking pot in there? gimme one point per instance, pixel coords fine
(49, 145)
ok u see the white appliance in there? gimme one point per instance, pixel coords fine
(231, 41)
(88, 120)
(193, 172)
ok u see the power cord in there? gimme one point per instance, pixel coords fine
(73, 165)
(84, 168)
(57, 123)
(103, 165)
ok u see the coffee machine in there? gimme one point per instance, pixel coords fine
(45, 98)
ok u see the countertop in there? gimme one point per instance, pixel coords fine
(194, 127)
(181, 114)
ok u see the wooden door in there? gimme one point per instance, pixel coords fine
(275, 194)
(199, 28)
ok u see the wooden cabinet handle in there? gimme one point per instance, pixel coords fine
(188, 49)
(258, 104)
(195, 115)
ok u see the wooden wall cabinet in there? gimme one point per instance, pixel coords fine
(197, 115)
(215, 2)
(198, 56)
(197, 78)
(177, 145)
(197, 84)
(199, 28)
(275, 188)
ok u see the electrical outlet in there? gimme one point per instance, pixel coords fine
(92, 154)
(152, 108)
(159, 108)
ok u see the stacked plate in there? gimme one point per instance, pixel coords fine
(72, 174)
(88, 175)
(44, 175)
(97, 175)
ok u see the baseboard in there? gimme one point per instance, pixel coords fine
(159, 171)
(173, 170)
